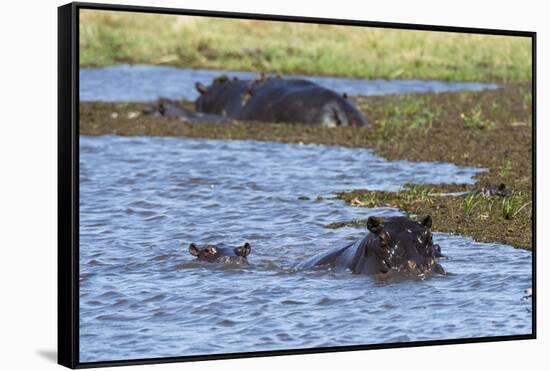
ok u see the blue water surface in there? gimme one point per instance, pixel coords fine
(147, 82)
(142, 295)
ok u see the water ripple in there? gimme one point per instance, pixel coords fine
(147, 82)
(143, 295)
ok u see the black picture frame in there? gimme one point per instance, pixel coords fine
(68, 182)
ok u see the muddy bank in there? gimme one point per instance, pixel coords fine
(487, 219)
(490, 129)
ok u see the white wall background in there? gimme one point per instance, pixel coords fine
(28, 155)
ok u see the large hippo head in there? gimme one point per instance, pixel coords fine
(398, 244)
(223, 97)
(221, 254)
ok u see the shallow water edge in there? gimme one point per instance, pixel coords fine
(420, 127)
(141, 83)
(144, 199)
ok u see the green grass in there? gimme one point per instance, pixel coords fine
(108, 38)
(504, 150)
(513, 204)
(475, 119)
(505, 168)
(419, 192)
(410, 110)
(470, 203)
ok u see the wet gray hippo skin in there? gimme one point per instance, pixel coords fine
(396, 244)
(220, 253)
(169, 108)
(276, 99)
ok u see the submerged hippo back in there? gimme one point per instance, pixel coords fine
(326, 259)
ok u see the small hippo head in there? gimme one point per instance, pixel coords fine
(221, 254)
(403, 245)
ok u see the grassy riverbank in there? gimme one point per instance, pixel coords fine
(108, 38)
(490, 129)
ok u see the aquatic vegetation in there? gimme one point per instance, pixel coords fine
(470, 203)
(514, 204)
(368, 200)
(476, 120)
(509, 205)
(411, 111)
(351, 223)
(473, 215)
(421, 193)
(504, 151)
(505, 168)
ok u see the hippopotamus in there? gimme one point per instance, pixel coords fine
(394, 244)
(221, 253)
(169, 108)
(277, 99)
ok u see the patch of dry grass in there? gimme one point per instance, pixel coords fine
(108, 37)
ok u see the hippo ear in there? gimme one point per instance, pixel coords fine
(243, 250)
(427, 221)
(194, 249)
(375, 225)
(200, 87)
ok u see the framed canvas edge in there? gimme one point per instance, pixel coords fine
(67, 191)
(68, 183)
(301, 19)
(534, 180)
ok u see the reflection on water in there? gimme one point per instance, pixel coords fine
(147, 83)
(143, 200)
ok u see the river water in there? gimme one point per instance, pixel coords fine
(146, 83)
(142, 295)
